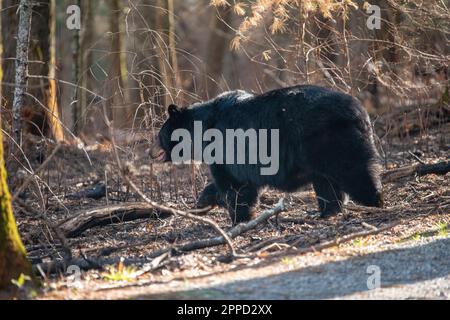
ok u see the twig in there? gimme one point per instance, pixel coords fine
(335, 242)
(368, 226)
(55, 228)
(416, 157)
(356, 207)
(30, 178)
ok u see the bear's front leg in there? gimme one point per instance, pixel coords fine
(329, 196)
(209, 197)
(240, 203)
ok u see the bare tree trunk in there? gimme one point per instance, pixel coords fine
(38, 102)
(217, 48)
(164, 61)
(383, 48)
(172, 43)
(151, 78)
(85, 63)
(23, 39)
(76, 62)
(121, 113)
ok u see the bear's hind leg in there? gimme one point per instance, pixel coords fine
(329, 196)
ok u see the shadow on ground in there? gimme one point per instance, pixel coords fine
(403, 266)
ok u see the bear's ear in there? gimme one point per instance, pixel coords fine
(174, 111)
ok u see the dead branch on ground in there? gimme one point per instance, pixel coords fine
(234, 232)
(81, 221)
(420, 169)
(78, 223)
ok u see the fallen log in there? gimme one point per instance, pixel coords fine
(78, 223)
(419, 169)
(106, 215)
(98, 263)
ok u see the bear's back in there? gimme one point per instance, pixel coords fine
(301, 102)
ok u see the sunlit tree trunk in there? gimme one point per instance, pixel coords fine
(52, 101)
(1, 57)
(13, 258)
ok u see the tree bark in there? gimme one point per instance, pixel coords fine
(76, 72)
(38, 113)
(172, 43)
(13, 257)
(217, 48)
(165, 69)
(52, 101)
(1, 57)
(80, 222)
(23, 40)
(85, 56)
(121, 112)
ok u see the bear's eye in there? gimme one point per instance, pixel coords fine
(173, 111)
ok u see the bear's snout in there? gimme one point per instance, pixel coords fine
(157, 153)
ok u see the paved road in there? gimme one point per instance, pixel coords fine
(411, 271)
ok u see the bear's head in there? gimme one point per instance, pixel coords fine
(161, 149)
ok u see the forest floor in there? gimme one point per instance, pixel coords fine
(412, 257)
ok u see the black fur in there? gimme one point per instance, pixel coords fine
(325, 139)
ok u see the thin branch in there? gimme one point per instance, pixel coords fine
(36, 172)
(233, 233)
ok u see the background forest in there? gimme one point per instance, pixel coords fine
(141, 55)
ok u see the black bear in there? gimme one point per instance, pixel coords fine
(323, 137)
